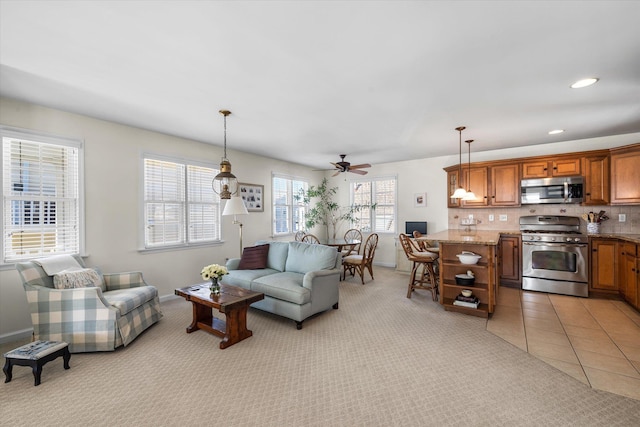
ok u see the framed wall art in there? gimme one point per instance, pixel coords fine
(420, 200)
(253, 196)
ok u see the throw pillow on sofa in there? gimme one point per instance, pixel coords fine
(254, 257)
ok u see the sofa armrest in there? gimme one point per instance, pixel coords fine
(233, 263)
(310, 278)
(64, 302)
(132, 279)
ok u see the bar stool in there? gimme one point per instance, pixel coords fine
(427, 278)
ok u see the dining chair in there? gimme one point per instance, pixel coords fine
(352, 235)
(361, 262)
(299, 235)
(310, 238)
(420, 259)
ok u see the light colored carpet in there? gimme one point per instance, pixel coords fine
(380, 360)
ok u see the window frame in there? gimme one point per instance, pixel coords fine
(187, 243)
(291, 223)
(372, 217)
(61, 141)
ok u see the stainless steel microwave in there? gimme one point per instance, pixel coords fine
(552, 190)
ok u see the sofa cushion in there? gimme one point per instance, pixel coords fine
(243, 278)
(129, 299)
(286, 286)
(277, 257)
(304, 257)
(254, 257)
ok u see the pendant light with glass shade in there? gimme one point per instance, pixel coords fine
(460, 191)
(469, 195)
(225, 183)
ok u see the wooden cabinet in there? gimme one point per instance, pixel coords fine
(476, 179)
(625, 175)
(596, 179)
(453, 177)
(611, 176)
(545, 168)
(485, 285)
(505, 185)
(510, 261)
(629, 272)
(493, 186)
(602, 259)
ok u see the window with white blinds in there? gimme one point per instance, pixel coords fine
(288, 213)
(180, 207)
(382, 193)
(41, 202)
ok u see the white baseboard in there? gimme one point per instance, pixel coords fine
(24, 334)
(169, 297)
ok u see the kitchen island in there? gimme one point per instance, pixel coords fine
(485, 285)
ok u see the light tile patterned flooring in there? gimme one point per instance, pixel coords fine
(596, 341)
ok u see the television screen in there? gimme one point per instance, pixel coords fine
(411, 226)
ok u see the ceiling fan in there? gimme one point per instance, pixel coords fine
(343, 166)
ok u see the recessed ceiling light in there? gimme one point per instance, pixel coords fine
(556, 131)
(584, 83)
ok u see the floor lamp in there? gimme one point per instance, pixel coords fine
(235, 206)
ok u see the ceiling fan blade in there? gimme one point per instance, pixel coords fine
(336, 165)
(358, 171)
(364, 165)
(337, 173)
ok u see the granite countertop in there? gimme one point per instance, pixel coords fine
(633, 238)
(491, 237)
(477, 237)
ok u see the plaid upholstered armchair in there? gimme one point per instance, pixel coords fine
(90, 315)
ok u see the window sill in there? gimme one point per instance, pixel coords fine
(180, 247)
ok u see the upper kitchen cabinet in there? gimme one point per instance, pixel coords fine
(476, 179)
(596, 179)
(453, 177)
(505, 185)
(625, 175)
(497, 185)
(611, 176)
(545, 168)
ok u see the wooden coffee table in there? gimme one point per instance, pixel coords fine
(232, 301)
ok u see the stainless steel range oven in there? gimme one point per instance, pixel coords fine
(554, 255)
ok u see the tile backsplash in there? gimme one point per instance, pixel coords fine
(507, 218)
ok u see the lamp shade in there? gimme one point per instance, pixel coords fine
(235, 206)
(459, 193)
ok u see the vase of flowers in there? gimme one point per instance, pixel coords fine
(214, 272)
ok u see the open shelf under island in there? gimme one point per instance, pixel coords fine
(485, 288)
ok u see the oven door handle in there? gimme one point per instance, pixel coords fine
(572, 245)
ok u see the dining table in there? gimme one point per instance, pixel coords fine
(341, 243)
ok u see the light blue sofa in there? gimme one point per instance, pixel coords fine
(300, 279)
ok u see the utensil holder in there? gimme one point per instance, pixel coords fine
(593, 228)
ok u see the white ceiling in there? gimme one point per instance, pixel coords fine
(307, 80)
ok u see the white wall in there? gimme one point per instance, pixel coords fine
(112, 180)
(112, 189)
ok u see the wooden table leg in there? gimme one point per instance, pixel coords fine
(201, 314)
(236, 328)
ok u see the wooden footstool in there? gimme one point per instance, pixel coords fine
(36, 354)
